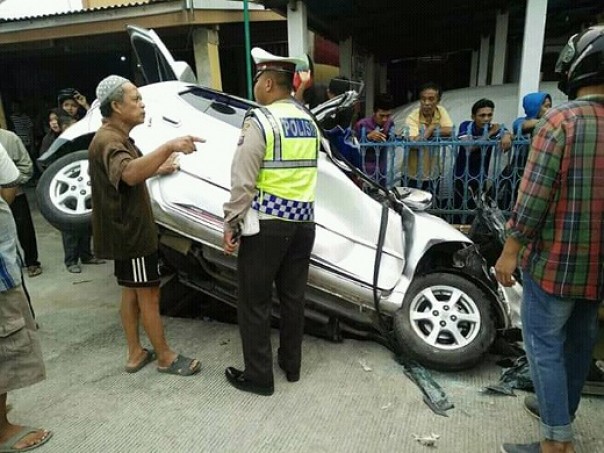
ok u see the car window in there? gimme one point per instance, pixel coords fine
(226, 108)
(153, 65)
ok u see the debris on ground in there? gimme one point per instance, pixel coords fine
(387, 406)
(465, 412)
(427, 441)
(434, 396)
(515, 375)
(365, 366)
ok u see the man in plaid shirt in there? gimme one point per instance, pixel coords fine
(557, 232)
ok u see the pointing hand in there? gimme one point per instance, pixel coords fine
(185, 144)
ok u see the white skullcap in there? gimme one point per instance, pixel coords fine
(108, 85)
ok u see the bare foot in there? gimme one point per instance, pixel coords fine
(33, 438)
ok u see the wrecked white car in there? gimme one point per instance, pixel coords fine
(380, 265)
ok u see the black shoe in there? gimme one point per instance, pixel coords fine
(531, 405)
(237, 380)
(290, 375)
(594, 385)
(521, 448)
(93, 260)
(74, 269)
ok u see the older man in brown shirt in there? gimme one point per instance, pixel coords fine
(122, 220)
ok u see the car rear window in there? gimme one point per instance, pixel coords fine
(221, 106)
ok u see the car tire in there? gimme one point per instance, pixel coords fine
(460, 310)
(64, 193)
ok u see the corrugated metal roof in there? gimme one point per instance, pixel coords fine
(84, 11)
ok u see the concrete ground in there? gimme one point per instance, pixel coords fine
(352, 397)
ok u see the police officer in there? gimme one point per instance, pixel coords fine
(274, 173)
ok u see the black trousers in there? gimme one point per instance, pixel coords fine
(76, 246)
(33, 155)
(25, 230)
(279, 253)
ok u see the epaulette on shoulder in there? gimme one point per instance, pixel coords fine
(251, 118)
(251, 113)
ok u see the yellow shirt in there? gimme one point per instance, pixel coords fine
(431, 156)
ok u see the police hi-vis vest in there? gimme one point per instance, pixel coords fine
(288, 175)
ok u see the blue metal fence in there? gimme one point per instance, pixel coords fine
(453, 169)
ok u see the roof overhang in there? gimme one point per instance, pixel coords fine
(111, 20)
(396, 29)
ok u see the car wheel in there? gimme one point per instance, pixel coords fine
(64, 193)
(446, 322)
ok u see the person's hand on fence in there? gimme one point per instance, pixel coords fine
(376, 136)
(494, 129)
(430, 130)
(506, 141)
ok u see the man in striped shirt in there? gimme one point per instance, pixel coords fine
(557, 233)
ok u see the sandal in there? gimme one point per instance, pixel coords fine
(149, 357)
(181, 366)
(7, 446)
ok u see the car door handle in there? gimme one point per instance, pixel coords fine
(174, 122)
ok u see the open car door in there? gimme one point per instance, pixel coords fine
(155, 61)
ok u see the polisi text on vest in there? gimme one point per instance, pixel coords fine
(298, 127)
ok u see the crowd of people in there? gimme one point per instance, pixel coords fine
(555, 234)
(24, 146)
(489, 156)
(431, 120)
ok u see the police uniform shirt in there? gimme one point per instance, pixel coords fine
(244, 172)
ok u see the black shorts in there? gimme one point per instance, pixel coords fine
(138, 272)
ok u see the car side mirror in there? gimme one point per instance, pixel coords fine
(184, 73)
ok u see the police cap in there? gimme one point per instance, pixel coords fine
(266, 61)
